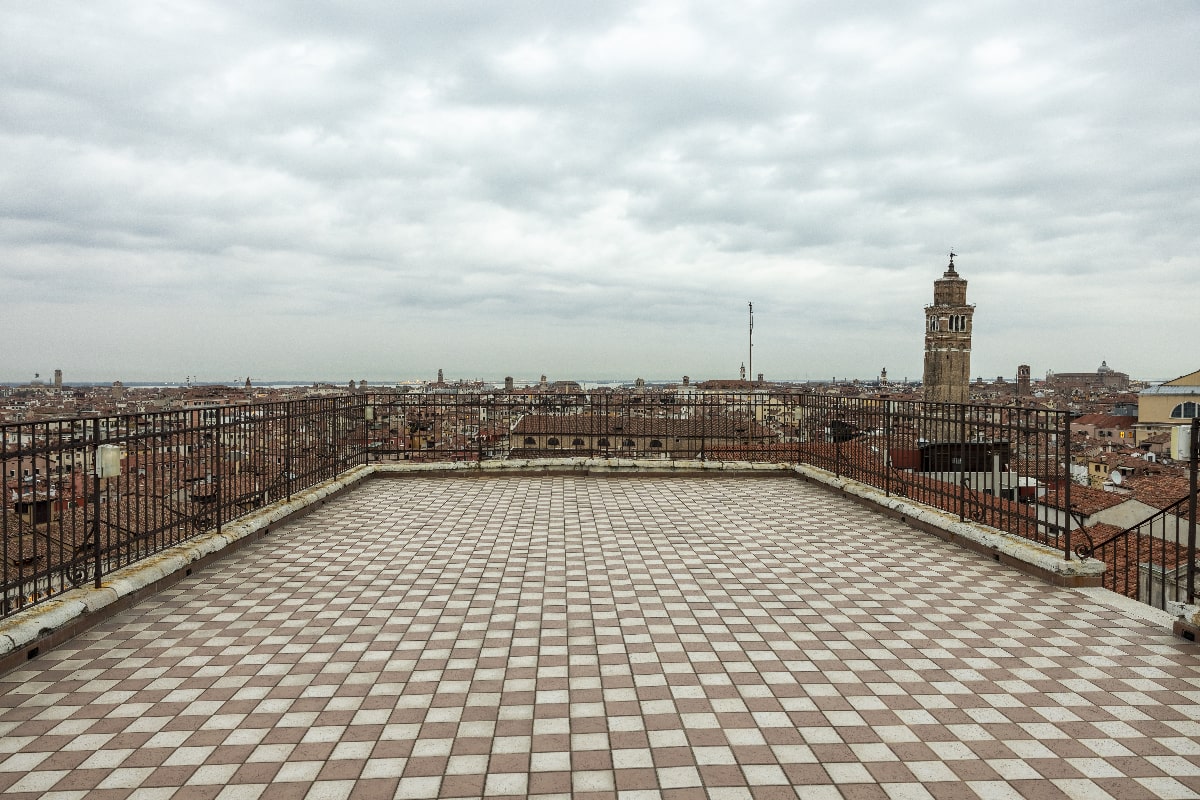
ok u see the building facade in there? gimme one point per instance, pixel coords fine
(1169, 405)
(948, 323)
(1105, 378)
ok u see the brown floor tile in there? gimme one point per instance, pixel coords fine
(462, 786)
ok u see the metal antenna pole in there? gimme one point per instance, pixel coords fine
(752, 342)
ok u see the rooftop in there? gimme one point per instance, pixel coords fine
(639, 637)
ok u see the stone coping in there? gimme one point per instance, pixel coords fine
(84, 605)
(1005, 547)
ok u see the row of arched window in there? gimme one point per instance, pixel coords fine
(955, 323)
(554, 441)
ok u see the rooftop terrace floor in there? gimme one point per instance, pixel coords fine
(640, 637)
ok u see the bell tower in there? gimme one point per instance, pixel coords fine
(948, 340)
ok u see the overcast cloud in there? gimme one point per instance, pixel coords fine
(304, 190)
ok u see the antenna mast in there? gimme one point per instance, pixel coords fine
(751, 342)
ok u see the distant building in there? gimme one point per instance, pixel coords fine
(948, 324)
(541, 436)
(1104, 378)
(1023, 381)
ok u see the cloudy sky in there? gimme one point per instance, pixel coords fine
(320, 190)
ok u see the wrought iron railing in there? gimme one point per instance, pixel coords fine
(990, 464)
(473, 427)
(1154, 561)
(190, 471)
(181, 473)
(987, 464)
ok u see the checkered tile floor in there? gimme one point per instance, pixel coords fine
(591, 637)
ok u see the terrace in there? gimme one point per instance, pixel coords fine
(370, 597)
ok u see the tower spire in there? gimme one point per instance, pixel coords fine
(948, 323)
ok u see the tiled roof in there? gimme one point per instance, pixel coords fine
(1140, 466)
(1085, 499)
(1158, 491)
(1105, 421)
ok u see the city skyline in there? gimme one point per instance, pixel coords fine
(593, 191)
(587, 382)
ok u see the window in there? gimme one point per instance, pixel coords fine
(933, 324)
(603, 442)
(655, 443)
(530, 440)
(1187, 410)
(627, 443)
(577, 442)
(552, 441)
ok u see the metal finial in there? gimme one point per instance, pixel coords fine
(950, 273)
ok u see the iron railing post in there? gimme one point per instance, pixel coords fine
(1192, 488)
(837, 446)
(1064, 448)
(962, 465)
(887, 447)
(219, 455)
(96, 500)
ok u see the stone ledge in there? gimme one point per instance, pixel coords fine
(577, 466)
(1127, 606)
(1036, 559)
